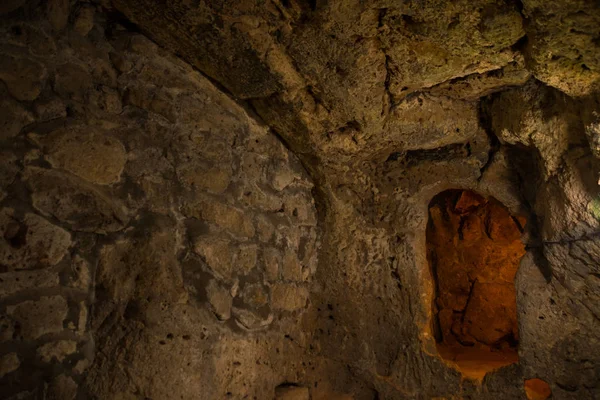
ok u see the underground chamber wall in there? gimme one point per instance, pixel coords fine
(473, 249)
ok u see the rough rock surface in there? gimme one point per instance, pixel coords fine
(474, 251)
(329, 76)
(142, 206)
(159, 241)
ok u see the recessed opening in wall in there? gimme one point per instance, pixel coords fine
(474, 248)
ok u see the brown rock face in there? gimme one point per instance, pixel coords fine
(474, 249)
(229, 199)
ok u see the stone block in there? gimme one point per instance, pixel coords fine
(62, 388)
(151, 99)
(250, 320)
(81, 366)
(301, 209)
(246, 258)
(9, 363)
(84, 21)
(291, 268)
(220, 300)
(58, 13)
(104, 74)
(7, 328)
(251, 194)
(105, 99)
(217, 253)
(23, 77)
(288, 297)
(80, 277)
(272, 259)
(255, 295)
(537, 389)
(56, 351)
(8, 171)
(281, 175)
(82, 318)
(31, 242)
(72, 81)
(196, 175)
(86, 152)
(33, 37)
(254, 165)
(13, 118)
(48, 109)
(14, 282)
(39, 317)
(121, 62)
(226, 217)
(264, 228)
(74, 202)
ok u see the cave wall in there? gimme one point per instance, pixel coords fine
(558, 277)
(375, 242)
(160, 241)
(150, 225)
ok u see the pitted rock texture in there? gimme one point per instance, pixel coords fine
(329, 76)
(142, 206)
(171, 244)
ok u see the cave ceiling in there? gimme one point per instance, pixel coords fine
(348, 80)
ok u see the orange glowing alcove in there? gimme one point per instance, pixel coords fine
(474, 248)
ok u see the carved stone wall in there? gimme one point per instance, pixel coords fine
(229, 199)
(148, 222)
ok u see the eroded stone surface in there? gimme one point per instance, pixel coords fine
(8, 363)
(14, 282)
(288, 297)
(23, 77)
(56, 351)
(62, 387)
(91, 154)
(39, 317)
(220, 300)
(74, 202)
(13, 118)
(385, 104)
(562, 44)
(30, 242)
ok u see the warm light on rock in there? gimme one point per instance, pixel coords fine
(537, 389)
(474, 249)
(232, 199)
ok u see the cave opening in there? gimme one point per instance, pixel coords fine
(474, 248)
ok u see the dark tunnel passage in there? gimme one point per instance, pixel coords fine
(474, 249)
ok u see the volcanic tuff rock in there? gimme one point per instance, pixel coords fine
(229, 199)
